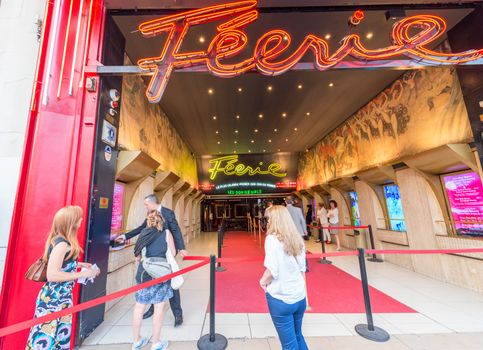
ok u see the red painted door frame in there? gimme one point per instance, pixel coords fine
(58, 150)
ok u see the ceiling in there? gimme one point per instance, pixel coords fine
(324, 100)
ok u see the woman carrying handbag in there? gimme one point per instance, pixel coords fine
(58, 269)
(153, 250)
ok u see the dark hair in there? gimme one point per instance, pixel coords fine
(289, 200)
(333, 201)
(322, 205)
(152, 198)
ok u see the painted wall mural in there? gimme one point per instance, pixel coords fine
(422, 110)
(145, 126)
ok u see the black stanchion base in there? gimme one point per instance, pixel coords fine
(324, 261)
(375, 259)
(220, 269)
(378, 334)
(219, 343)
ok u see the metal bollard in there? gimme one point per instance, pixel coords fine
(220, 268)
(368, 331)
(324, 260)
(212, 341)
(374, 257)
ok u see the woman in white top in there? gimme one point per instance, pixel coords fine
(284, 278)
(324, 222)
(333, 215)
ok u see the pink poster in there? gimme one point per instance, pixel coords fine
(465, 196)
(117, 205)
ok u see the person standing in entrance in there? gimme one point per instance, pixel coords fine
(297, 216)
(283, 280)
(333, 215)
(324, 222)
(61, 252)
(170, 223)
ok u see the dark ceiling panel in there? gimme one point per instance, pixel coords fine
(191, 108)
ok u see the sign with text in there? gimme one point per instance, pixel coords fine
(248, 174)
(465, 197)
(117, 206)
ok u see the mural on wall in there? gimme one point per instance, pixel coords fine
(145, 126)
(422, 110)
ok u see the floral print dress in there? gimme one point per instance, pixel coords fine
(54, 296)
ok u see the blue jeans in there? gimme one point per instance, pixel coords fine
(287, 319)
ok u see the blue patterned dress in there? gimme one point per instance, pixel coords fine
(54, 296)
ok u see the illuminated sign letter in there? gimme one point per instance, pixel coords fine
(241, 169)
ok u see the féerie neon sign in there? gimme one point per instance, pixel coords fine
(226, 165)
(231, 40)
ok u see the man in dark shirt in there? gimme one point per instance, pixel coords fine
(151, 203)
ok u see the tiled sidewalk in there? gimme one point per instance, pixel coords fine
(442, 309)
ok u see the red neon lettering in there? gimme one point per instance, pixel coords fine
(231, 40)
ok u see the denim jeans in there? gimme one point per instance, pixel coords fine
(287, 319)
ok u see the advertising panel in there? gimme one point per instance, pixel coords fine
(465, 198)
(117, 206)
(394, 208)
(248, 174)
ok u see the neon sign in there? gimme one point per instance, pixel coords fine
(226, 165)
(231, 40)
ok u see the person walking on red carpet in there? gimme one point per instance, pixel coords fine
(284, 278)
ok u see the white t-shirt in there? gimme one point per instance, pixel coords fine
(322, 215)
(288, 283)
(335, 216)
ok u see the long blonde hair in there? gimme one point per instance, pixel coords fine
(66, 225)
(155, 220)
(282, 226)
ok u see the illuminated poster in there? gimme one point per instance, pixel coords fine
(248, 174)
(355, 214)
(117, 205)
(394, 208)
(465, 197)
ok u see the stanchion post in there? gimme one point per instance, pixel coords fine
(220, 268)
(368, 331)
(259, 232)
(374, 257)
(212, 341)
(324, 260)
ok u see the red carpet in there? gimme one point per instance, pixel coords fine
(331, 290)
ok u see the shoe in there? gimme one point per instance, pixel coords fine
(162, 345)
(338, 249)
(140, 344)
(149, 313)
(178, 321)
(317, 241)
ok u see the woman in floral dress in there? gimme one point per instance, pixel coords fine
(62, 250)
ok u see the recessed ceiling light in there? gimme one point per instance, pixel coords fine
(308, 113)
(275, 130)
(202, 39)
(234, 151)
(256, 130)
(269, 87)
(327, 36)
(218, 142)
(219, 152)
(285, 37)
(260, 116)
(235, 142)
(295, 129)
(278, 149)
(240, 89)
(236, 131)
(216, 132)
(210, 91)
(214, 117)
(369, 35)
(264, 151)
(249, 151)
(284, 115)
(252, 141)
(269, 140)
(331, 84)
(237, 117)
(286, 140)
(299, 86)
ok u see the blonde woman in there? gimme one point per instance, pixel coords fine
(61, 251)
(283, 280)
(153, 242)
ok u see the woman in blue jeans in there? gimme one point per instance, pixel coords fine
(284, 278)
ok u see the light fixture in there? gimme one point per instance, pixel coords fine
(202, 39)
(252, 141)
(249, 151)
(299, 86)
(369, 35)
(218, 142)
(278, 150)
(210, 91)
(256, 130)
(331, 84)
(285, 37)
(260, 116)
(235, 142)
(284, 115)
(327, 36)
(275, 130)
(216, 132)
(264, 151)
(214, 117)
(295, 129)
(237, 117)
(240, 89)
(234, 151)
(286, 140)
(269, 141)
(269, 87)
(236, 131)
(308, 113)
